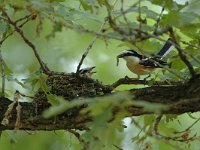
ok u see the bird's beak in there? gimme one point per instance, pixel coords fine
(119, 56)
(90, 70)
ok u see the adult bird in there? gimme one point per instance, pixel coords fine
(142, 65)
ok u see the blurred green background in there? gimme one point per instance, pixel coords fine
(61, 51)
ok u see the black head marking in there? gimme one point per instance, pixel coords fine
(130, 53)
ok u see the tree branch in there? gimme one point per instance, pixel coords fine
(29, 43)
(127, 80)
(89, 47)
(158, 20)
(2, 74)
(181, 54)
(180, 138)
(179, 98)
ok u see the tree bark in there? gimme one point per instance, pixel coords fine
(180, 99)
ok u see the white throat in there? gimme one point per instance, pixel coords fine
(131, 60)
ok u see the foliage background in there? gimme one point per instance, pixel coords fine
(61, 45)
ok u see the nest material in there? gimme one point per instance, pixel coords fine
(71, 86)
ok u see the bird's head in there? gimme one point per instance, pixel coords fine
(87, 71)
(129, 56)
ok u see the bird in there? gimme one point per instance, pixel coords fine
(143, 65)
(87, 71)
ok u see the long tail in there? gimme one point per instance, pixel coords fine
(164, 50)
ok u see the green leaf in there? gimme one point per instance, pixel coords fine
(37, 81)
(149, 13)
(101, 2)
(86, 5)
(136, 138)
(170, 4)
(177, 63)
(149, 120)
(191, 116)
(170, 117)
(59, 105)
(178, 19)
(56, 28)
(7, 70)
(194, 6)
(151, 107)
(103, 133)
(55, 0)
(3, 27)
(54, 100)
(11, 78)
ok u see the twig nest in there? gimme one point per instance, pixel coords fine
(72, 86)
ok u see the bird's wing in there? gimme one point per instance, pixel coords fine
(152, 62)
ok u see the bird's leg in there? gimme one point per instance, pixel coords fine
(145, 79)
(127, 78)
(138, 77)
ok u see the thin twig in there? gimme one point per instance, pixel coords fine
(143, 129)
(1, 58)
(125, 36)
(29, 43)
(128, 10)
(2, 75)
(182, 55)
(187, 129)
(139, 14)
(23, 95)
(21, 25)
(123, 14)
(112, 22)
(181, 138)
(23, 18)
(156, 124)
(194, 46)
(77, 135)
(89, 47)
(192, 124)
(187, 43)
(7, 115)
(158, 20)
(117, 147)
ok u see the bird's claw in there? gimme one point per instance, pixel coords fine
(127, 78)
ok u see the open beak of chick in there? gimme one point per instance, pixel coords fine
(87, 71)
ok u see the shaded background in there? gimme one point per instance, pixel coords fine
(61, 51)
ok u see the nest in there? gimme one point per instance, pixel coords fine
(71, 86)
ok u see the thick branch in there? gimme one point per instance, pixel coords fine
(127, 80)
(180, 99)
